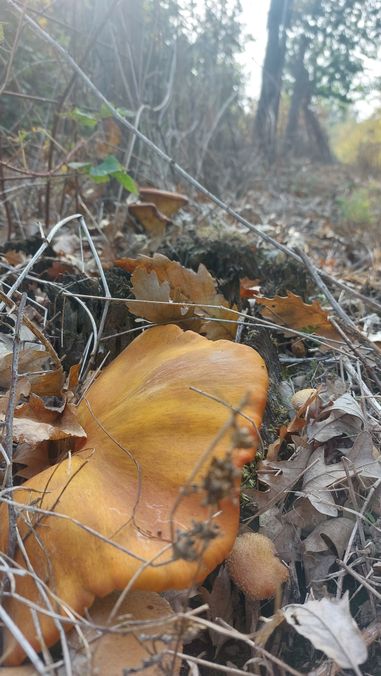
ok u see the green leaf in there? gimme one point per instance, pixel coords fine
(105, 112)
(1, 33)
(79, 165)
(86, 119)
(22, 135)
(110, 165)
(100, 179)
(126, 181)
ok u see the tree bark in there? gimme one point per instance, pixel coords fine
(266, 118)
(300, 96)
(317, 137)
(318, 145)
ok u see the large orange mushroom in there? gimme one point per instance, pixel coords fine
(151, 501)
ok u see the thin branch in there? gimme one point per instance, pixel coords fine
(176, 167)
(29, 97)
(14, 48)
(20, 638)
(3, 197)
(8, 434)
(348, 323)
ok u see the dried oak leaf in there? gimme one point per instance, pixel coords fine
(331, 535)
(320, 477)
(293, 313)
(279, 477)
(175, 294)
(220, 602)
(319, 480)
(42, 435)
(32, 361)
(329, 626)
(344, 416)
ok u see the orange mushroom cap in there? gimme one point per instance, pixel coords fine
(155, 447)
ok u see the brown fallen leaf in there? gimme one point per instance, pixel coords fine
(220, 603)
(320, 478)
(329, 626)
(41, 443)
(135, 639)
(22, 390)
(364, 457)
(46, 410)
(166, 282)
(293, 313)
(279, 477)
(32, 366)
(249, 288)
(304, 515)
(49, 383)
(30, 359)
(284, 536)
(14, 257)
(331, 535)
(343, 416)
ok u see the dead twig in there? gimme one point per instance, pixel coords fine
(4, 199)
(349, 325)
(174, 166)
(8, 428)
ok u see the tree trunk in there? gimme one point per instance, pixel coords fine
(317, 137)
(266, 118)
(300, 95)
(318, 146)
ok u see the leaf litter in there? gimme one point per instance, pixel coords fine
(311, 495)
(172, 293)
(328, 624)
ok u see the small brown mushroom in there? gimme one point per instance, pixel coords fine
(167, 202)
(303, 397)
(254, 566)
(149, 216)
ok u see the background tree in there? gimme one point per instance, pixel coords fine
(324, 48)
(266, 118)
(170, 65)
(328, 44)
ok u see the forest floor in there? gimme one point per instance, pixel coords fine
(315, 488)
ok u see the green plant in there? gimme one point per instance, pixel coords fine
(110, 167)
(356, 208)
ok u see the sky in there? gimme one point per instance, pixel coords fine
(254, 18)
